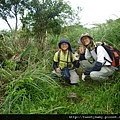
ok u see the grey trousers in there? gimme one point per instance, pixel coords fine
(103, 74)
(74, 78)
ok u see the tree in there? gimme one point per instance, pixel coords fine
(10, 9)
(42, 14)
(5, 12)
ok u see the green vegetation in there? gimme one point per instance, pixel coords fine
(26, 85)
(26, 57)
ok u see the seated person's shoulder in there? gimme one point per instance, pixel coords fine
(100, 48)
(56, 56)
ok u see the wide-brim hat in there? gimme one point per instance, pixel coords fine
(84, 35)
(65, 41)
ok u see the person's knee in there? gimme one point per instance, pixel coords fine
(74, 78)
(96, 76)
(84, 64)
(93, 76)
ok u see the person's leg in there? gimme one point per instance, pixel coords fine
(85, 64)
(103, 74)
(54, 74)
(74, 78)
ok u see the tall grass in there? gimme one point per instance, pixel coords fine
(28, 88)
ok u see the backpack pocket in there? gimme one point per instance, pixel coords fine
(66, 74)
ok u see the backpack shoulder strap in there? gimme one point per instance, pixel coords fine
(59, 55)
(71, 58)
(69, 53)
(107, 48)
(96, 50)
(104, 46)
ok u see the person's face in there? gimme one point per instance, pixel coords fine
(85, 40)
(64, 46)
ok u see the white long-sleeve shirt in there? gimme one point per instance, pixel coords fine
(100, 56)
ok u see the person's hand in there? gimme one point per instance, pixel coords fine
(83, 77)
(81, 49)
(76, 56)
(58, 70)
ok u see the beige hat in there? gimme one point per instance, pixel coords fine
(84, 35)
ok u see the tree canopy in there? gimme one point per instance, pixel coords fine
(39, 16)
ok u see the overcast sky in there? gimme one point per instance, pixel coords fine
(97, 11)
(94, 11)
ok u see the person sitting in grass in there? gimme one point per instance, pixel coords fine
(98, 69)
(64, 58)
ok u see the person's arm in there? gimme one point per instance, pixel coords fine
(81, 49)
(76, 64)
(55, 65)
(85, 55)
(96, 67)
(82, 52)
(82, 56)
(100, 61)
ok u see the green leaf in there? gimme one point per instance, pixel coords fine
(26, 52)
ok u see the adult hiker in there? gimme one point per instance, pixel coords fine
(98, 69)
(64, 63)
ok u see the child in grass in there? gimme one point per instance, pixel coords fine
(66, 60)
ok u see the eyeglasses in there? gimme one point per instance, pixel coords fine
(64, 44)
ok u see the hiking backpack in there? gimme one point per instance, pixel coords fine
(114, 54)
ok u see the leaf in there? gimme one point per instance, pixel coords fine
(26, 52)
